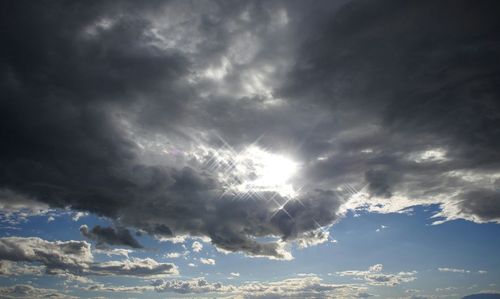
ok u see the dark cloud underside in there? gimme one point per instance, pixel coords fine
(113, 108)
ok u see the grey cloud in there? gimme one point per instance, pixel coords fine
(8, 268)
(75, 258)
(72, 255)
(378, 183)
(120, 289)
(135, 267)
(110, 235)
(118, 113)
(484, 204)
(422, 84)
(29, 291)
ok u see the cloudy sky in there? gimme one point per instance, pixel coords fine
(241, 149)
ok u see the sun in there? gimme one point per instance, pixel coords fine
(261, 170)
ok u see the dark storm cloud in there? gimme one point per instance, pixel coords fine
(484, 204)
(425, 75)
(59, 87)
(116, 108)
(72, 75)
(110, 235)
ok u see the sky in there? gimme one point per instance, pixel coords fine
(250, 149)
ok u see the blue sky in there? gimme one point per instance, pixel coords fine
(449, 260)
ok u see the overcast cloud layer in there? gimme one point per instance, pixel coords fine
(119, 109)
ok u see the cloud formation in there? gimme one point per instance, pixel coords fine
(110, 235)
(207, 261)
(302, 287)
(71, 257)
(375, 277)
(164, 120)
(197, 246)
(28, 291)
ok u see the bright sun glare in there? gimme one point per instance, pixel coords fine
(256, 170)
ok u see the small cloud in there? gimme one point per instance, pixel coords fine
(235, 274)
(174, 255)
(50, 219)
(207, 261)
(374, 276)
(382, 227)
(197, 246)
(453, 270)
(191, 265)
(114, 251)
(109, 235)
(79, 215)
(376, 268)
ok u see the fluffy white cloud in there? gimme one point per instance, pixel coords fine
(301, 287)
(174, 255)
(374, 276)
(207, 261)
(197, 246)
(74, 257)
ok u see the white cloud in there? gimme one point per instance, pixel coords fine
(79, 215)
(75, 257)
(301, 287)
(312, 238)
(174, 255)
(27, 291)
(454, 270)
(207, 261)
(374, 276)
(376, 268)
(197, 246)
(463, 271)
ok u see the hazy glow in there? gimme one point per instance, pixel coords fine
(255, 170)
(272, 172)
